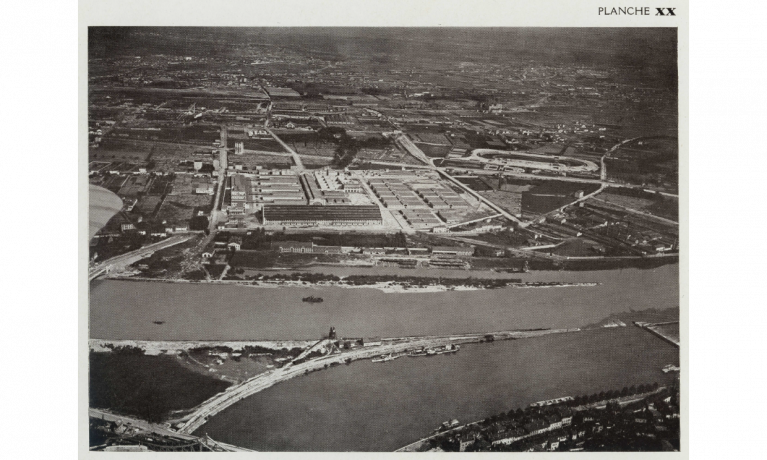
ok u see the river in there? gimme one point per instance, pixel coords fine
(127, 309)
(369, 406)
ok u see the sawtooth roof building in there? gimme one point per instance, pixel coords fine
(340, 215)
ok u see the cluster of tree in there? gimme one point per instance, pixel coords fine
(259, 239)
(210, 350)
(195, 275)
(126, 350)
(524, 415)
(148, 387)
(348, 147)
(372, 91)
(308, 277)
(346, 152)
(613, 394)
(486, 283)
(276, 353)
(313, 354)
(198, 223)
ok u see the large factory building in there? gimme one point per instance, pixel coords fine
(322, 215)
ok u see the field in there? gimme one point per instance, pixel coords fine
(551, 195)
(147, 205)
(267, 259)
(505, 238)
(178, 209)
(575, 247)
(626, 201)
(652, 160)
(315, 162)
(388, 154)
(266, 145)
(476, 184)
(321, 149)
(171, 262)
(196, 134)
(120, 151)
(113, 183)
(659, 205)
(511, 202)
(434, 151)
(149, 387)
(253, 259)
(136, 185)
(160, 185)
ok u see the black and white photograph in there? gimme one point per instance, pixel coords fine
(384, 239)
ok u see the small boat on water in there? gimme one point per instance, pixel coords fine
(159, 322)
(312, 299)
(448, 349)
(422, 352)
(670, 368)
(383, 358)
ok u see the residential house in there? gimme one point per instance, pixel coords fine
(508, 437)
(235, 243)
(465, 440)
(553, 443)
(294, 246)
(554, 421)
(536, 426)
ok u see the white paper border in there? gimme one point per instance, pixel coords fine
(379, 13)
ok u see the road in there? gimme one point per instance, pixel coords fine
(163, 431)
(215, 213)
(296, 156)
(123, 260)
(475, 220)
(400, 165)
(411, 148)
(583, 198)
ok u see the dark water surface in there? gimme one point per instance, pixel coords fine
(369, 406)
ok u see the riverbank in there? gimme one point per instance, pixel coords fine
(482, 428)
(155, 348)
(389, 287)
